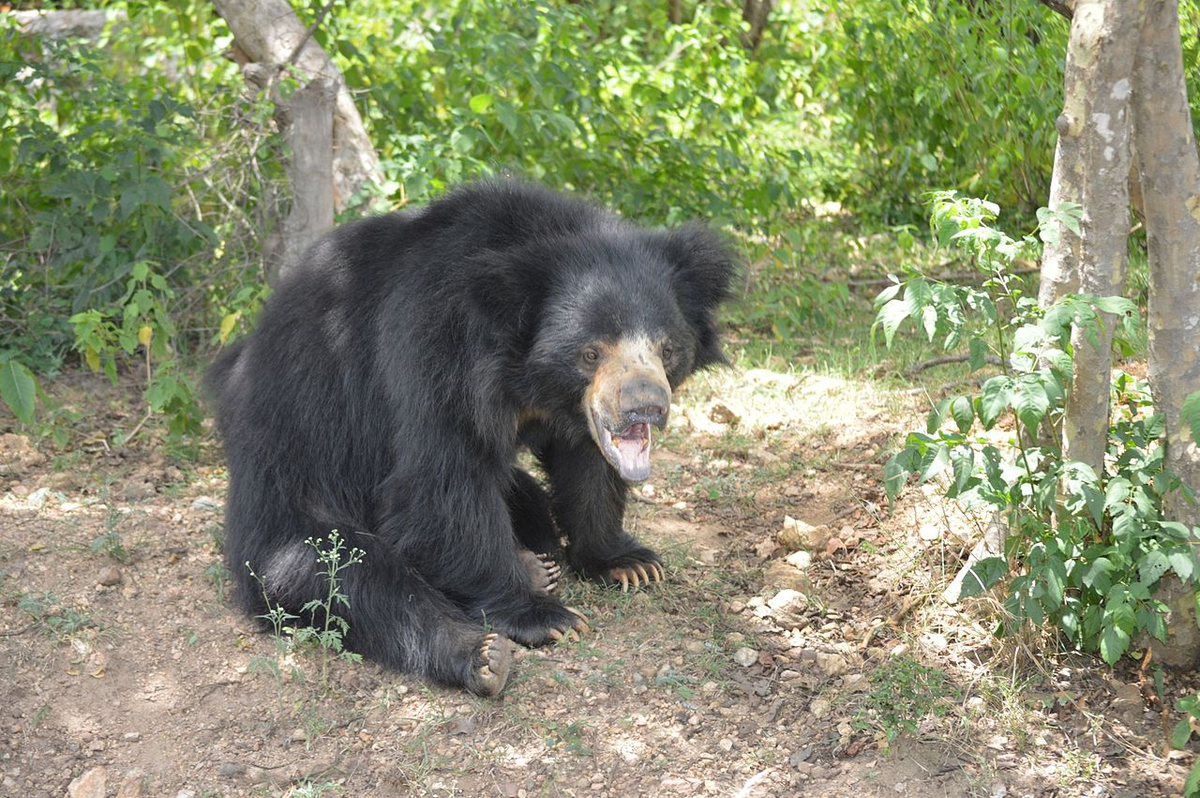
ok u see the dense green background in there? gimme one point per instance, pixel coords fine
(141, 178)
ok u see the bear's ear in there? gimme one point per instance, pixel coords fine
(702, 268)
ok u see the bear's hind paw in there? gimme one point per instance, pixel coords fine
(489, 672)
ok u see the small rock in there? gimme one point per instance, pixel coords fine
(19, 490)
(820, 707)
(899, 650)
(37, 499)
(766, 548)
(92, 783)
(831, 664)
(736, 607)
(800, 757)
(788, 599)
(109, 575)
(131, 737)
(745, 657)
(726, 744)
(797, 534)
(205, 503)
(800, 559)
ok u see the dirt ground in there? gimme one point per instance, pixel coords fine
(800, 646)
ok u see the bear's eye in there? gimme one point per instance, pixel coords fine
(667, 351)
(591, 355)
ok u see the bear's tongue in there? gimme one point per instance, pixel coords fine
(633, 452)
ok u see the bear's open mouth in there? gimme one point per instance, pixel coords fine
(628, 450)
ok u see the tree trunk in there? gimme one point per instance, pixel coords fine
(756, 12)
(1170, 178)
(269, 32)
(1091, 168)
(310, 172)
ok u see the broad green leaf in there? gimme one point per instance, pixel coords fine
(934, 462)
(1113, 643)
(983, 576)
(977, 358)
(1030, 402)
(480, 103)
(1116, 305)
(1095, 575)
(937, 416)
(1183, 563)
(1153, 566)
(1182, 733)
(18, 389)
(994, 399)
(963, 413)
(895, 472)
(890, 318)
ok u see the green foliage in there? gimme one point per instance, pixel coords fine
(116, 222)
(664, 121)
(903, 693)
(961, 94)
(56, 618)
(1085, 550)
(18, 389)
(1190, 708)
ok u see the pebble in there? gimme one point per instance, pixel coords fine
(726, 744)
(745, 657)
(820, 707)
(831, 664)
(109, 575)
(92, 783)
(206, 503)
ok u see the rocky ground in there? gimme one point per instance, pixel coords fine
(799, 647)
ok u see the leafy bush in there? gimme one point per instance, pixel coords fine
(116, 234)
(664, 121)
(961, 94)
(1085, 549)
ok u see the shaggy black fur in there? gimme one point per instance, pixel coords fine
(392, 378)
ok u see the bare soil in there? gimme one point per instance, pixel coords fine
(810, 656)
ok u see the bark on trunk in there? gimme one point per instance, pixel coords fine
(310, 171)
(1091, 168)
(1170, 178)
(67, 24)
(268, 32)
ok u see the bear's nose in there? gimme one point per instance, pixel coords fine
(650, 414)
(645, 400)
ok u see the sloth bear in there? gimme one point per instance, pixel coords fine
(391, 380)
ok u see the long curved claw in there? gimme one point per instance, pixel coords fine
(581, 625)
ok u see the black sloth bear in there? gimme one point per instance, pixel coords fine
(391, 380)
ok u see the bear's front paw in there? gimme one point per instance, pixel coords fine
(543, 621)
(543, 571)
(638, 569)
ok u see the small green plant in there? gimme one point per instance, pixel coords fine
(219, 575)
(55, 617)
(326, 631)
(1190, 708)
(903, 693)
(110, 544)
(1084, 550)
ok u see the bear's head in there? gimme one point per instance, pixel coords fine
(628, 314)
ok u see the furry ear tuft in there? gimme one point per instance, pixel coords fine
(702, 267)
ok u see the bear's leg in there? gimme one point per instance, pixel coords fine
(533, 524)
(589, 504)
(393, 615)
(529, 508)
(462, 543)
